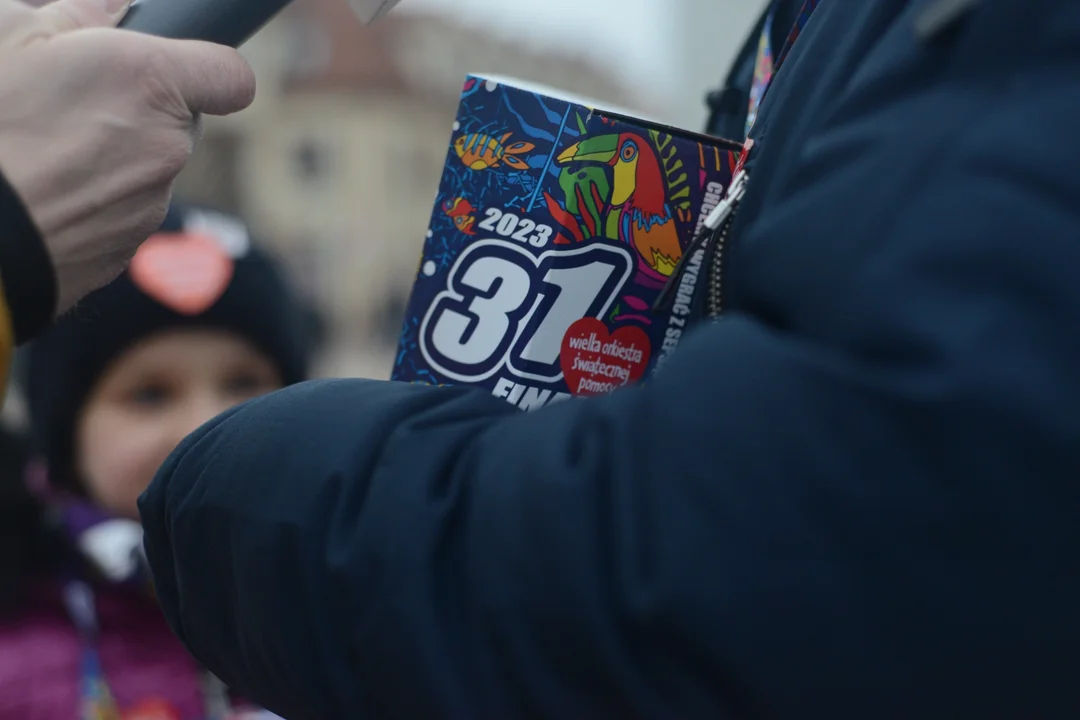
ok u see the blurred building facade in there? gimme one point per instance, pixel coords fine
(337, 163)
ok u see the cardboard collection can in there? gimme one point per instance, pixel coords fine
(555, 228)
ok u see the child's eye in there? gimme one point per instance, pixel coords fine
(149, 396)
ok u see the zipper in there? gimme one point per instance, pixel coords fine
(715, 301)
(714, 233)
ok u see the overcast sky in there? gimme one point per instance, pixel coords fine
(680, 47)
(602, 28)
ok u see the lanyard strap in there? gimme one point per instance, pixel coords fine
(96, 701)
(800, 22)
(763, 69)
(768, 63)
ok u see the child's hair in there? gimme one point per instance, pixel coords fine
(200, 271)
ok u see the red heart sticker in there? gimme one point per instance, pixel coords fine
(187, 272)
(595, 361)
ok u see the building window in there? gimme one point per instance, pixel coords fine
(311, 162)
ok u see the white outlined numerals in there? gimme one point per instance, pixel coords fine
(503, 307)
(517, 228)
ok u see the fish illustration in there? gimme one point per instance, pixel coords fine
(479, 151)
(461, 210)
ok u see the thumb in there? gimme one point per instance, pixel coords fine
(66, 15)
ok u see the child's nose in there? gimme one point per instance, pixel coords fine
(199, 411)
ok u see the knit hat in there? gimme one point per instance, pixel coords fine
(199, 271)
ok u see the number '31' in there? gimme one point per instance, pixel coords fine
(504, 307)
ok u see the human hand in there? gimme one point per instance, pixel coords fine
(95, 124)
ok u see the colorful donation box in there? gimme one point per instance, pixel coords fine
(555, 229)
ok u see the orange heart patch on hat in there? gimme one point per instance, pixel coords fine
(186, 272)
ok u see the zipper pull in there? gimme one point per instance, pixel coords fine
(724, 208)
(713, 222)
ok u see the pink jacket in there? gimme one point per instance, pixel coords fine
(40, 656)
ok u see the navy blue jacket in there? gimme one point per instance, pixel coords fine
(857, 495)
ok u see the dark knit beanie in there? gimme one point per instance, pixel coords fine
(240, 289)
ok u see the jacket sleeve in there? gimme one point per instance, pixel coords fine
(27, 279)
(881, 505)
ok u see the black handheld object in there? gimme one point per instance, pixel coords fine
(226, 22)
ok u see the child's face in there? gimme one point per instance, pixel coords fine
(150, 398)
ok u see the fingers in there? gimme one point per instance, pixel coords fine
(14, 15)
(65, 15)
(213, 79)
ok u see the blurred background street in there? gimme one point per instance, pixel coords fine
(336, 165)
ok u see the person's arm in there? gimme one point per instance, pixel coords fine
(772, 524)
(866, 510)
